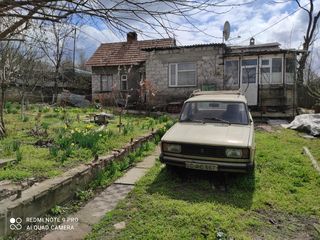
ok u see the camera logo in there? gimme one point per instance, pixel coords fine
(15, 223)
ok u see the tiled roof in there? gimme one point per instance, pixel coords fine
(126, 53)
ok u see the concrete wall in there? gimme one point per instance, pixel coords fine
(209, 70)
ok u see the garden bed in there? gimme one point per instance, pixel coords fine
(49, 141)
(42, 196)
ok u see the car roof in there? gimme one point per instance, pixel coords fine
(218, 97)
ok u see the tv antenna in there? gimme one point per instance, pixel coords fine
(226, 31)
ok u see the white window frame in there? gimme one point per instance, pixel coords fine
(106, 80)
(270, 57)
(176, 75)
(244, 67)
(124, 78)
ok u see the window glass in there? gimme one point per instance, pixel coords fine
(276, 65)
(186, 78)
(249, 75)
(215, 112)
(106, 82)
(124, 85)
(186, 66)
(124, 82)
(276, 71)
(290, 68)
(265, 75)
(231, 72)
(249, 62)
(172, 74)
(265, 62)
(182, 74)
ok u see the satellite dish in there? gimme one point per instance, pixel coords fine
(226, 31)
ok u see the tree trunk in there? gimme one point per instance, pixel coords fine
(22, 106)
(2, 125)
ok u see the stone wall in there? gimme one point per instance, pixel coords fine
(209, 71)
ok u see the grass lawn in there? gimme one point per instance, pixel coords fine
(72, 139)
(281, 200)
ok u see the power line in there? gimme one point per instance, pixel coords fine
(272, 25)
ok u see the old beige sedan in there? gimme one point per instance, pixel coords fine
(215, 132)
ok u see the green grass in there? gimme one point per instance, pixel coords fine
(42, 162)
(280, 200)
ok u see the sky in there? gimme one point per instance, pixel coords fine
(267, 21)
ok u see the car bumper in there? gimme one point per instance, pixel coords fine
(222, 166)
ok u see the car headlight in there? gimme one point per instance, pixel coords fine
(170, 147)
(237, 153)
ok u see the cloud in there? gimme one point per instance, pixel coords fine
(267, 21)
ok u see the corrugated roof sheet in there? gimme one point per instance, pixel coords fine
(185, 46)
(125, 53)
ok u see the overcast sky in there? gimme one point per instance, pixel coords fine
(267, 21)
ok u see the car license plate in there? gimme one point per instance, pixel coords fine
(202, 166)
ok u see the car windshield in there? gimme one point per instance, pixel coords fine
(215, 111)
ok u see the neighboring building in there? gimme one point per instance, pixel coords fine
(264, 73)
(118, 68)
(42, 86)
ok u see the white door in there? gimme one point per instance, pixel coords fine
(249, 81)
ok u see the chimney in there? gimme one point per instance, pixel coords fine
(131, 37)
(251, 41)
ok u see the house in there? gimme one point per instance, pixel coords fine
(118, 68)
(265, 73)
(179, 70)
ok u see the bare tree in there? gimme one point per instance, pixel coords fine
(117, 14)
(9, 70)
(55, 49)
(309, 37)
(30, 74)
